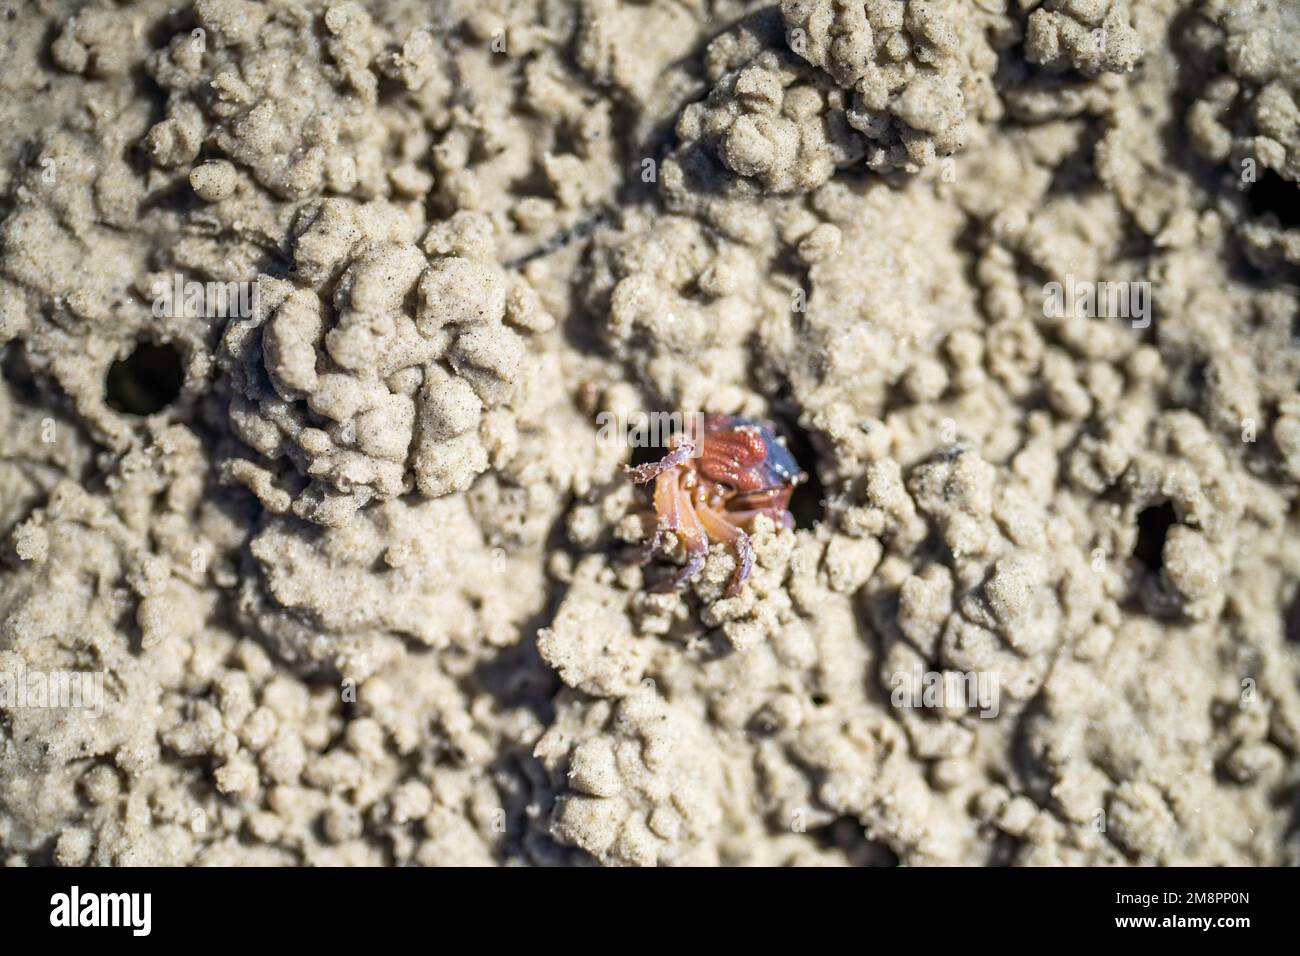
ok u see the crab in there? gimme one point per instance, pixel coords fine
(714, 492)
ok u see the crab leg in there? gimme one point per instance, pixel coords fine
(667, 518)
(668, 500)
(677, 515)
(721, 528)
(692, 534)
(691, 569)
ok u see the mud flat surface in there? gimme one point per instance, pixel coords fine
(308, 310)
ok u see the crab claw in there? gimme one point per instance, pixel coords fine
(684, 449)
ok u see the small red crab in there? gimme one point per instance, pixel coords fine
(714, 492)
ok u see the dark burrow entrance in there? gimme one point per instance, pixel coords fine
(146, 381)
(1153, 527)
(807, 503)
(1272, 193)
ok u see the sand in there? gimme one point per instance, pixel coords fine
(309, 311)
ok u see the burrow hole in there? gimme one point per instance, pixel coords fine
(1272, 193)
(807, 503)
(1153, 527)
(146, 381)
